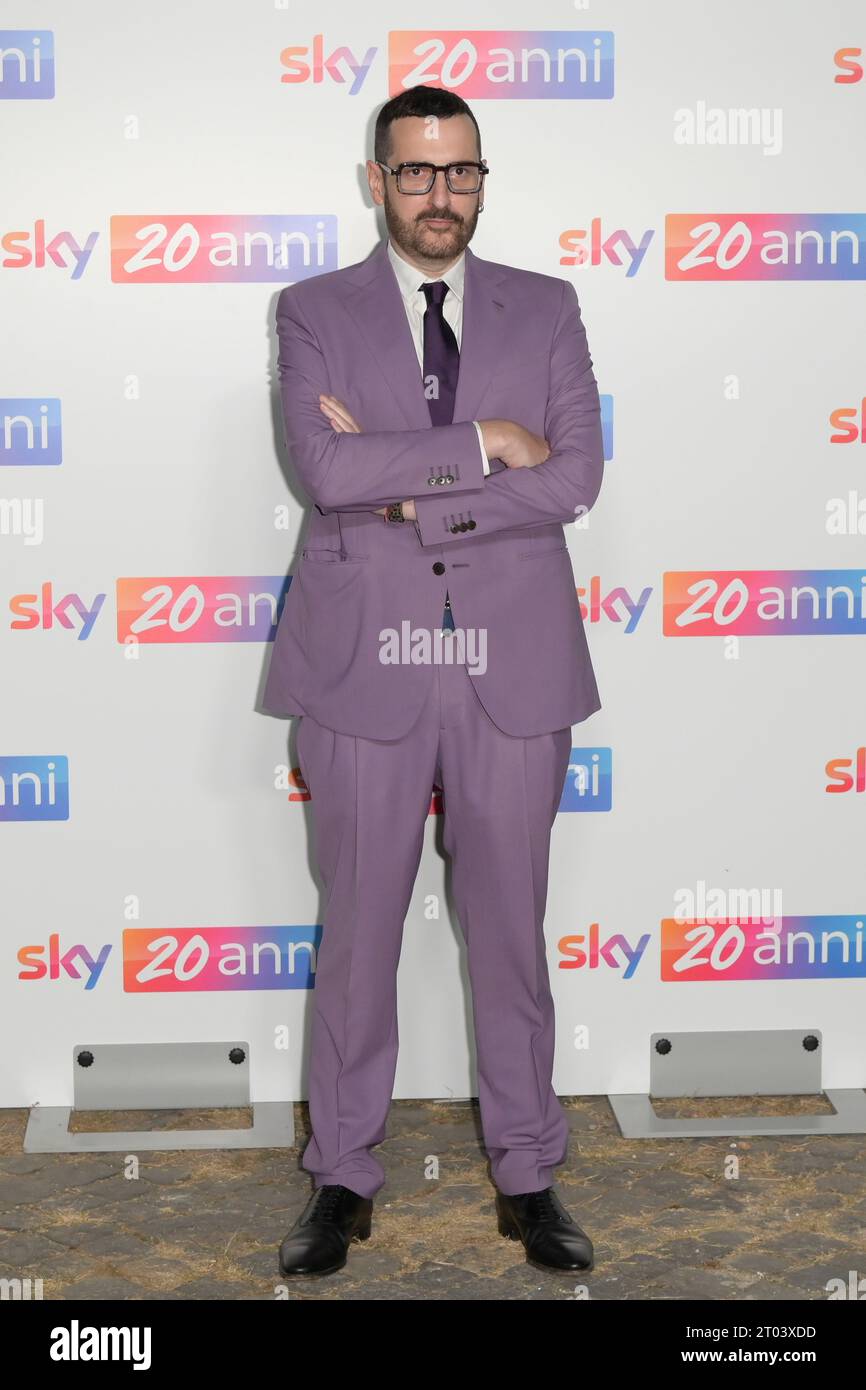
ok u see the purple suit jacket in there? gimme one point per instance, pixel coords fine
(495, 543)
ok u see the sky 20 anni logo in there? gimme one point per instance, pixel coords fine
(476, 63)
(234, 608)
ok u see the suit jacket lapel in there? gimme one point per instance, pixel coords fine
(378, 310)
(482, 337)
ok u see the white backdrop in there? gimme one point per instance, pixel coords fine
(165, 465)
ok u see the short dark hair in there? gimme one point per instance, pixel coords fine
(418, 101)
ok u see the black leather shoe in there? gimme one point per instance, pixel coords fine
(550, 1236)
(320, 1238)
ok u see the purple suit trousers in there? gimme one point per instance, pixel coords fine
(370, 802)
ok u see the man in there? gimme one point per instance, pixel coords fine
(442, 414)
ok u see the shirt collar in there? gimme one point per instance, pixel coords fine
(410, 279)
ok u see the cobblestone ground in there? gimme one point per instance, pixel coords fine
(666, 1221)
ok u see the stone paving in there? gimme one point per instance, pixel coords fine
(666, 1221)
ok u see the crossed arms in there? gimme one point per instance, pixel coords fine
(358, 471)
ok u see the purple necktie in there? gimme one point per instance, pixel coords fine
(442, 364)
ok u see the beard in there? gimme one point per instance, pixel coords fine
(427, 243)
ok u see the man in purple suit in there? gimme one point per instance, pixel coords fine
(442, 414)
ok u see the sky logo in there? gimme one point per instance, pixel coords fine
(190, 248)
(30, 431)
(617, 247)
(62, 250)
(180, 609)
(26, 64)
(765, 246)
(337, 65)
(34, 788)
(617, 605)
(588, 782)
(504, 64)
(588, 951)
(192, 960)
(76, 961)
(764, 603)
(41, 611)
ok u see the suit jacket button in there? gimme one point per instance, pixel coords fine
(471, 525)
(438, 568)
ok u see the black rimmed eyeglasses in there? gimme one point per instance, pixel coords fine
(419, 178)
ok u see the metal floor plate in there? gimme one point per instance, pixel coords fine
(756, 1062)
(273, 1127)
(638, 1120)
(160, 1076)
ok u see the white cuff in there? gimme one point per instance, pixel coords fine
(485, 462)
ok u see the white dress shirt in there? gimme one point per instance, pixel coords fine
(410, 280)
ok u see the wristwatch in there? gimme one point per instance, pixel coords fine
(394, 512)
